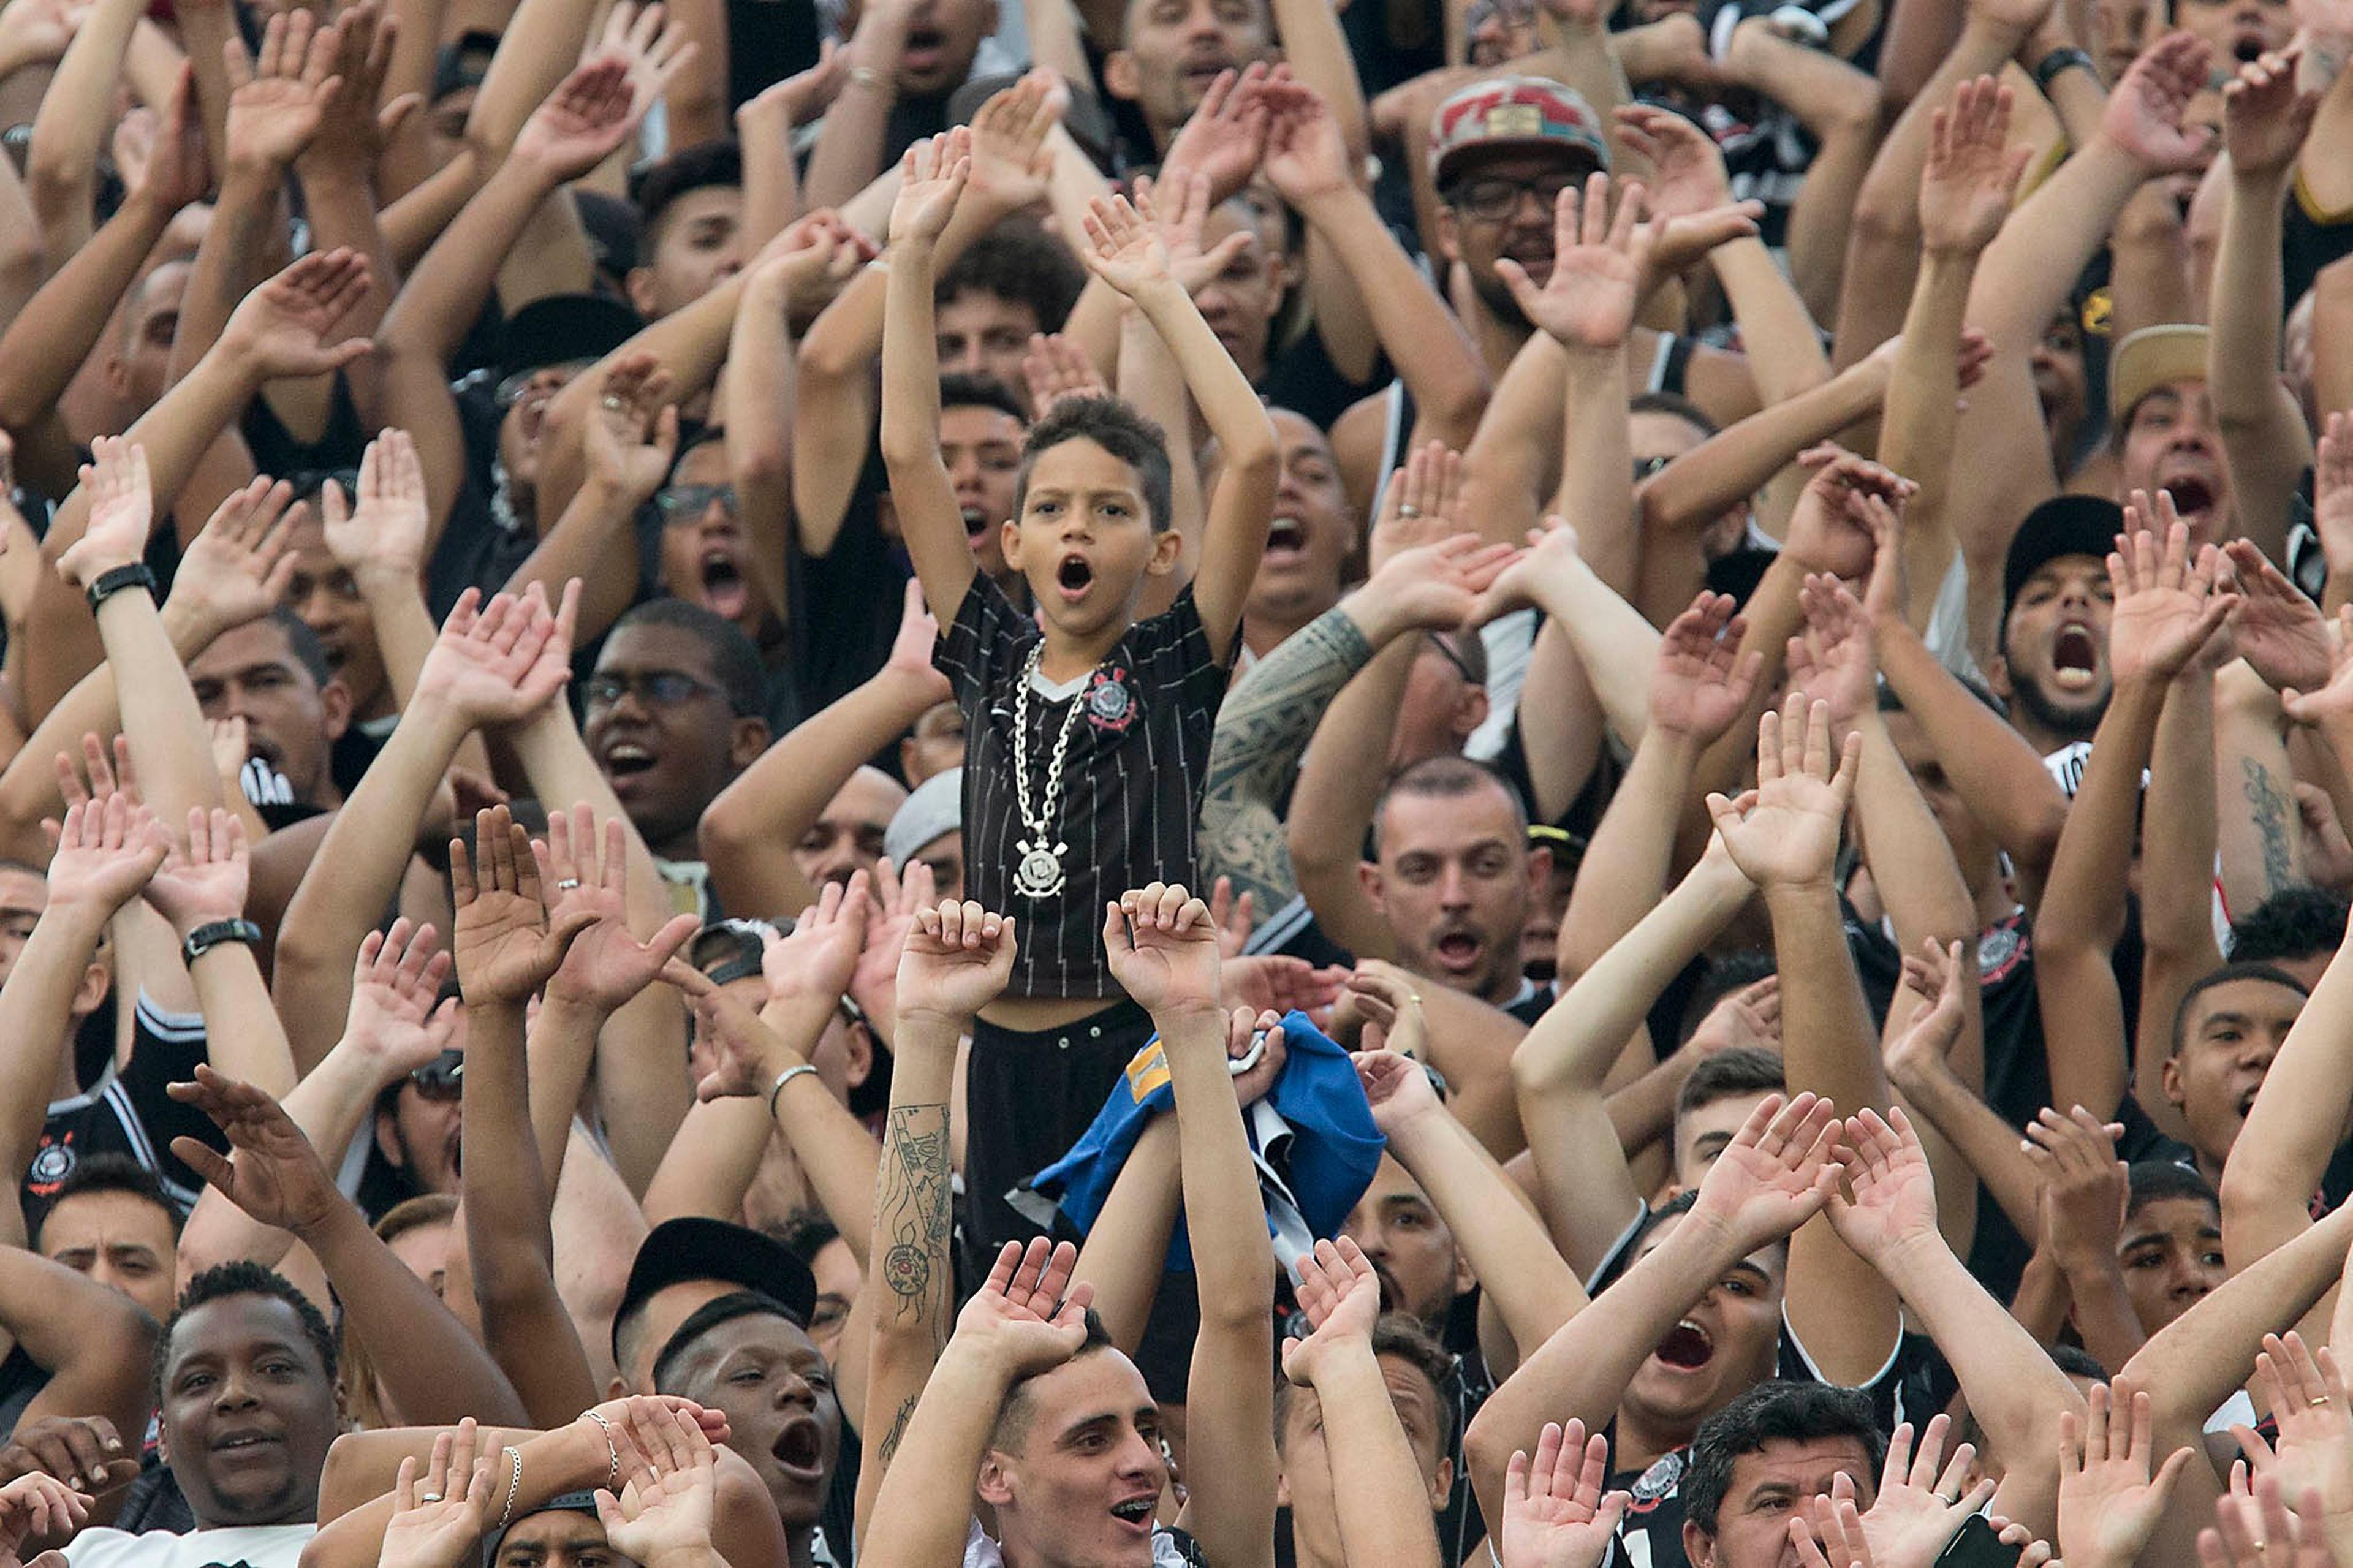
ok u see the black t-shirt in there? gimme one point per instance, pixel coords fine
(128, 1113)
(2309, 241)
(846, 603)
(1131, 784)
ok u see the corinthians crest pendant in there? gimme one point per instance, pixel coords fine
(1038, 873)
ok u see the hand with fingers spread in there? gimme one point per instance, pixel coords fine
(955, 959)
(1341, 1295)
(2279, 630)
(1422, 504)
(1225, 136)
(279, 97)
(356, 123)
(2254, 1528)
(1926, 1044)
(1745, 1019)
(584, 121)
(122, 512)
(1163, 950)
(1027, 1317)
(1972, 172)
(379, 536)
(238, 567)
(1833, 528)
(105, 855)
(652, 47)
(281, 328)
(440, 1510)
(1923, 1496)
(587, 871)
(206, 880)
(37, 1507)
(505, 946)
(1775, 1174)
(899, 893)
(1703, 680)
(631, 435)
(1555, 1514)
(1588, 300)
(2111, 1491)
(813, 966)
(499, 663)
(662, 1517)
(2166, 608)
(1306, 156)
(1894, 1197)
(2312, 1456)
(1011, 163)
(2264, 118)
(1784, 834)
(932, 178)
(2143, 117)
(1833, 1517)
(2085, 1187)
(1125, 248)
(1833, 660)
(1055, 368)
(1687, 172)
(270, 1172)
(1178, 209)
(396, 1019)
(2331, 705)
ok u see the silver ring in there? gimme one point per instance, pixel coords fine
(428, 1497)
(1406, 509)
(566, 885)
(614, 404)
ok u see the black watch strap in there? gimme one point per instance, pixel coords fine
(212, 933)
(2047, 69)
(108, 583)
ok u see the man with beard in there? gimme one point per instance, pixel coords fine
(1173, 50)
(2051, 672)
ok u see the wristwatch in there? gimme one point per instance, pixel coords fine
(2047, 69)
(212, 933)
(108, 583)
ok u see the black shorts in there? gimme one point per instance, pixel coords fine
(1028, 1097)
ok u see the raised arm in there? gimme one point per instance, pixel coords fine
(95, 1343)
(70, 129)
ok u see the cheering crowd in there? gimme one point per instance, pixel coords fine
(1122, 784)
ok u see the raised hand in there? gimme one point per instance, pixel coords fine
(899, 894)
(1163, 950)
(1687, 172)
(2109, 1501)
(38, 31)
(2264, 118)
(1011, 163)
(1027, 1317)
(238, 567)
(2312, 1457)
(505, 947)
(814, 964)
(105, 855)
(2279, 630)
(1923, 1497)
(652, 49)
(1125, 248)
(1926, 1043)
(1306, 156)
(1748, 1017)
(1703, 680)
(1226, 137)
(1056, 368)
(1340, 1293)
(1599, 262)
(2332, 704)
(911, 645)
(271, 1170)
(584, 121)
(1894, 1199)
(2332, 486)
(1422, 504)
(1785, 832)
(463, 1486)
(1833, 659)
(281, 328)
(2254, 1527)
(1775, 1174)
(1397, 1088)
(175, 171)
(663, 1512)
(35, 1506)
(736, 1054)
(1179, 209)
(1972, 171)
(121, 512)
(279, 97)
(1555, 1514)
(383, 532)
(932, 178)
(502, 665)
(1461, 581)
(606, 964)
(956, 960)
(2166, 608)
(1833, 528)
(396, 1019)
(205, 881)
(632, 433)
(2144, 114)
(352, 130)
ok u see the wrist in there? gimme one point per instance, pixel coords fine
(567, 1008)
(337, 1224)
(1907, 1256)
(1807, 893)
(385, 580)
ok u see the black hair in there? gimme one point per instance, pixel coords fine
(1117, 428)
(1722, 975)
(2077, 1362)
(1018, 260)
(2294, 923)
(806, 1234)
(1775, 1411)
(244, 1277)
(1450, 778)
(303, 644)
(711, 1315)
(1402, 1335)
(1012, 1428)
(734, 662)
(1730, 1075)
(110, 1174)
(2227, 975)
(1677, 405)
(718, 162)
(959, 389)
(2156, 1181)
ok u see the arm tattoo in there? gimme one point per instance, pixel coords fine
(888, 1447)
(1263, 728)
(911, 1203)
(2273, 821)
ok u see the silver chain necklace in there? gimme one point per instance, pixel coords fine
(1038, 873)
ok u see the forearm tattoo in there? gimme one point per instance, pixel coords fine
(2274, 821)
(912, 1214)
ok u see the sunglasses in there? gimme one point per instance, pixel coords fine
(442, 1079)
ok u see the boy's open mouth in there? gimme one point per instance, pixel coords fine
(1074, 576)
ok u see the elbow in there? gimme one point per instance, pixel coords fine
(2250, 1187)
(725, 828)
(1886, 217)
(1486, 1446)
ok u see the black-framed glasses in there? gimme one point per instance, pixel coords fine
(510, 391)
(685, 503)
(1491, 197)
(655, 687)
(441, 1078)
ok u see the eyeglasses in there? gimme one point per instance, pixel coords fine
(510, 391)
(655, 687)
(685, 503)
(1495, 198)
(442, 1079)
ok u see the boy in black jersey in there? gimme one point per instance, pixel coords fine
(1087, 729)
